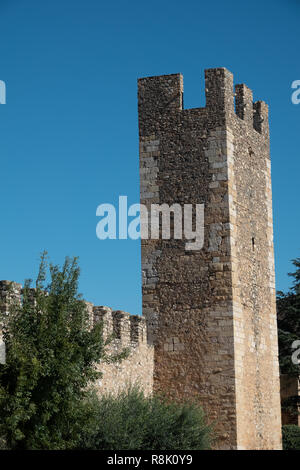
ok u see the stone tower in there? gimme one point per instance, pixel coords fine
(211, 313)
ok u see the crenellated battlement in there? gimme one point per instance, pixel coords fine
(127, 330)
(162, 96)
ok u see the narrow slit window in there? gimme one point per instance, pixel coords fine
(253, 243)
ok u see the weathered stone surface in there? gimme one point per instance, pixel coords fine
(128, 332)
(9, 292)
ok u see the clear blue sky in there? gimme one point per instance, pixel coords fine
(69, 136)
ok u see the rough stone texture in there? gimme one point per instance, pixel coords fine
(211, 313)
(290, 387)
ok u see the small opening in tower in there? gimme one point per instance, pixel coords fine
(253, 243)
(251, 153)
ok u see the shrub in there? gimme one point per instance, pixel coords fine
(291, 437)
(51, 353)
(131, 421)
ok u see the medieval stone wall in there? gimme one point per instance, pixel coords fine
(211, 313)
(253, 280)
(127, 332)
(9, 292)
(290, 388)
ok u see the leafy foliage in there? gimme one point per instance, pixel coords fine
(131, 421)
(288, 313)
(291, 437)
(51, 352)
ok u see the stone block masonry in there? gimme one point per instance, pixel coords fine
(129, 331)
(211, 313)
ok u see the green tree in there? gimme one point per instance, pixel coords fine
(288, 317)
(131, 421)
(51, 353)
